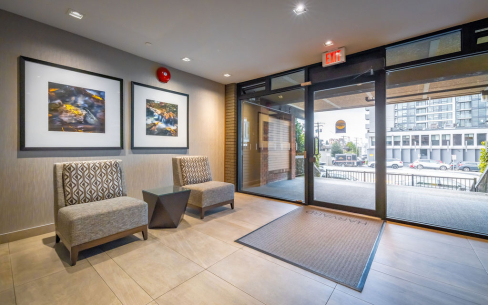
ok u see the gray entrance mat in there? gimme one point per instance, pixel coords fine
(334, 245)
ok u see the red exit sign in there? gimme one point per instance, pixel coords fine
(334, 57)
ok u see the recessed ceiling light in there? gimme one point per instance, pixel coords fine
(300, 9)
(148, 44)
(328, 43)
(75, 14)
(185, 59)
(280, 96)
(227, 75)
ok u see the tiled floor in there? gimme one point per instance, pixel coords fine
(199, 263)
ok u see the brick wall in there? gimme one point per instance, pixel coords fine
(230, 166)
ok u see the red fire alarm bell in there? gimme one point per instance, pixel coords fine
(163, 75)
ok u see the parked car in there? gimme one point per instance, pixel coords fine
(393, 163)
(430, 164)
(468, 166)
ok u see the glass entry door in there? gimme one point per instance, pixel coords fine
(344, 171)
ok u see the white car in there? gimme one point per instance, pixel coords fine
(432, 164)
(393, 163)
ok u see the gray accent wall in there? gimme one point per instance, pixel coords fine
(26, 178)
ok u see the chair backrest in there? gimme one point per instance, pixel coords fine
(87, 181)
(191, 170)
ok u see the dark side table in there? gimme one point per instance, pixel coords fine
(166, 206)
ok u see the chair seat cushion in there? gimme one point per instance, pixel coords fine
(81, 223)
(209, 193)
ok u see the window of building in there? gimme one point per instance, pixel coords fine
(388, 140)
(481, 137)
(372, 141)
(424, 48)
(292, 79)
(435, 139)
(469, 139)
(406, 140)
(425, 140)
(396, 140)
(415, 140)
(446, 139)
(458, 139)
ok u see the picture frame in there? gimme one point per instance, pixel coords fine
(159, 118)
(65, 108)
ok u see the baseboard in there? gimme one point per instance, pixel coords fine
(21, 234)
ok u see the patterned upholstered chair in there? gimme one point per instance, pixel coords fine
(91, 206)
(193, 173)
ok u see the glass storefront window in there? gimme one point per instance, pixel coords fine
(425, 48)
(425, 140)
(288, 80)
(458, 139)
(388, 141)
(406, 140)
(481, 137)
(446, 139)
(469, 139)
(415, 141)
(396, 140)
(435, 140)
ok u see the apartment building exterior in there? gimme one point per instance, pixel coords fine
(433, 129)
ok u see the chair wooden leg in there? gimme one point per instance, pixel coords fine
(144, 233)
(232, 204)
(202, 213)
(57, 238)
(73, 255)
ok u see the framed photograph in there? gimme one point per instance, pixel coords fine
(63, 108)
(159, 118)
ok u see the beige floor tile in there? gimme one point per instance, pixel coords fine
(153, 303)
(31, 264)
(155, 267)
(340, 298)
(483, 257)
(206, 288)
(200, 248)
(479, 244)
(452, 239)
(33, 243)
(80, 284)
(188, 222)
(124, 287)
(269, 282)
(4, 249)
(435, 285)
(383, 289)
(7, 297)
(128, 244)
(301, 271)
(6, 281)
(463, 276)
(253, 216)
(461, 255)
(226, 231)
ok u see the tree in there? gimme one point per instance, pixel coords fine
(336, 149)
(483, 158)
(352, 148)
(300, 136)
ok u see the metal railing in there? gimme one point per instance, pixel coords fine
(450, 183)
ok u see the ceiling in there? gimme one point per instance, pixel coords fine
(247, 39)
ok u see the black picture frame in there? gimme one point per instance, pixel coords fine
(133, 84)
(22, 118)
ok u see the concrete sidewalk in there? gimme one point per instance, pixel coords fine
(445, 208)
